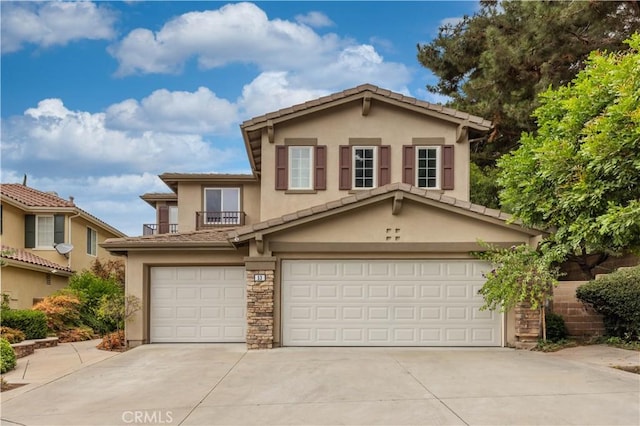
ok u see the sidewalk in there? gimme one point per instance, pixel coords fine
(48, 364)
(600, 355)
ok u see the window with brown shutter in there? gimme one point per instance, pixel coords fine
(408, 161)
(320, 175)
(384, 171)
(163, 219)
(447, 167)
(345, 167)
(281, 167)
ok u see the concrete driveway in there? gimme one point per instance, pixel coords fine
(206, 384)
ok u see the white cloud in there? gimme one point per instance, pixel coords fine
(174, 112)
(315, 20)
(53, 23)
(76, 142)
(239, 32)
(452, 21)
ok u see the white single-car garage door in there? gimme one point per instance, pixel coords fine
(197, 304)
(386, 303)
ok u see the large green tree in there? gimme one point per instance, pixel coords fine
(494, 63)
(579, 173)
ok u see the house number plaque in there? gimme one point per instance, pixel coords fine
(258, 278)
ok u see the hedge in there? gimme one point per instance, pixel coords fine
(7, 356)
(617, 297)
(32, 323)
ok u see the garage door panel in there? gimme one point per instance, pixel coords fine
(197, 304)
(386, 303)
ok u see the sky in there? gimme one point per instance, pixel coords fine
(99, 98)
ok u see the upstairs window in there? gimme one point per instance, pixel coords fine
(364, 167)
(92, 242)
(43, 231)
(301, 167)
(429, 167)
(222, 206)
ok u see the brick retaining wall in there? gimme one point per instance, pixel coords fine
(581, 321)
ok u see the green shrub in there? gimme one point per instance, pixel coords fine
(617, 297)
(91, 289)
(11, 334)
(556, 328)
(7, 356)
(32, 323)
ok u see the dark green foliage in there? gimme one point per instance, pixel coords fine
(484, 186)
(617, 297)
(91, 288)
(32, 323)
(494, 63)
(7, 356)
(556, 328)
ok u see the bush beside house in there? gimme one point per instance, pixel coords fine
(617, 297)
(32, 323)
(7, 356)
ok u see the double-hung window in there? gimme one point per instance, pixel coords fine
(301, 167)
(44, 232)
(428, 167)
(222, 206)
(364, 167)
(92, 241)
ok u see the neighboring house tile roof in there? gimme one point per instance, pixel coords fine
(385, 191)
(215, 237)
(33, 198)
(24, 256)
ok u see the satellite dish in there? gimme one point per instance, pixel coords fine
(63, 248)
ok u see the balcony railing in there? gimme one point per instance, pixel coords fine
(205, 220)
(153, 228)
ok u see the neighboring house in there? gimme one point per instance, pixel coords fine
(354, 229)
(45, 239)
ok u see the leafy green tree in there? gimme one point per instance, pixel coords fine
(520, 274)
(580, 172)
(484, 189)
(494, 63)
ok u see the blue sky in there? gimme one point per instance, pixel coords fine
(99, 98)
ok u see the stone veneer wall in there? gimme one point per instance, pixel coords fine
(260, 310)
(581, 320)
(527, 323)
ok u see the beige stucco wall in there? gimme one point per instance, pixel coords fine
(395, 126)
(416, 223)
(138, 264)
(12, 226)
(191, 200)
(24, 285)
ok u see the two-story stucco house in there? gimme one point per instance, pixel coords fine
(353, 229)
(45, 239)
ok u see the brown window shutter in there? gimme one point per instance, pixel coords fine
(320, 181)
(282, 154)
(408, 162)
(384, 162)
(345, 167)
(163, 219)
(447, 167)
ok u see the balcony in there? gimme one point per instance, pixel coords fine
(207, 220)
(153, 228)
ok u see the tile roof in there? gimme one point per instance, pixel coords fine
(429, 196)
(374, 90)
(27, 257)
(215, 236)
(32, 197)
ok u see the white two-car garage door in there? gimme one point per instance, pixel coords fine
(386, 303)
(197, 304)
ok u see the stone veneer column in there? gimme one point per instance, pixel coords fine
(260, 302)
(528, 326)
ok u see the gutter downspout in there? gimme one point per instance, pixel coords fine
(71, 217)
